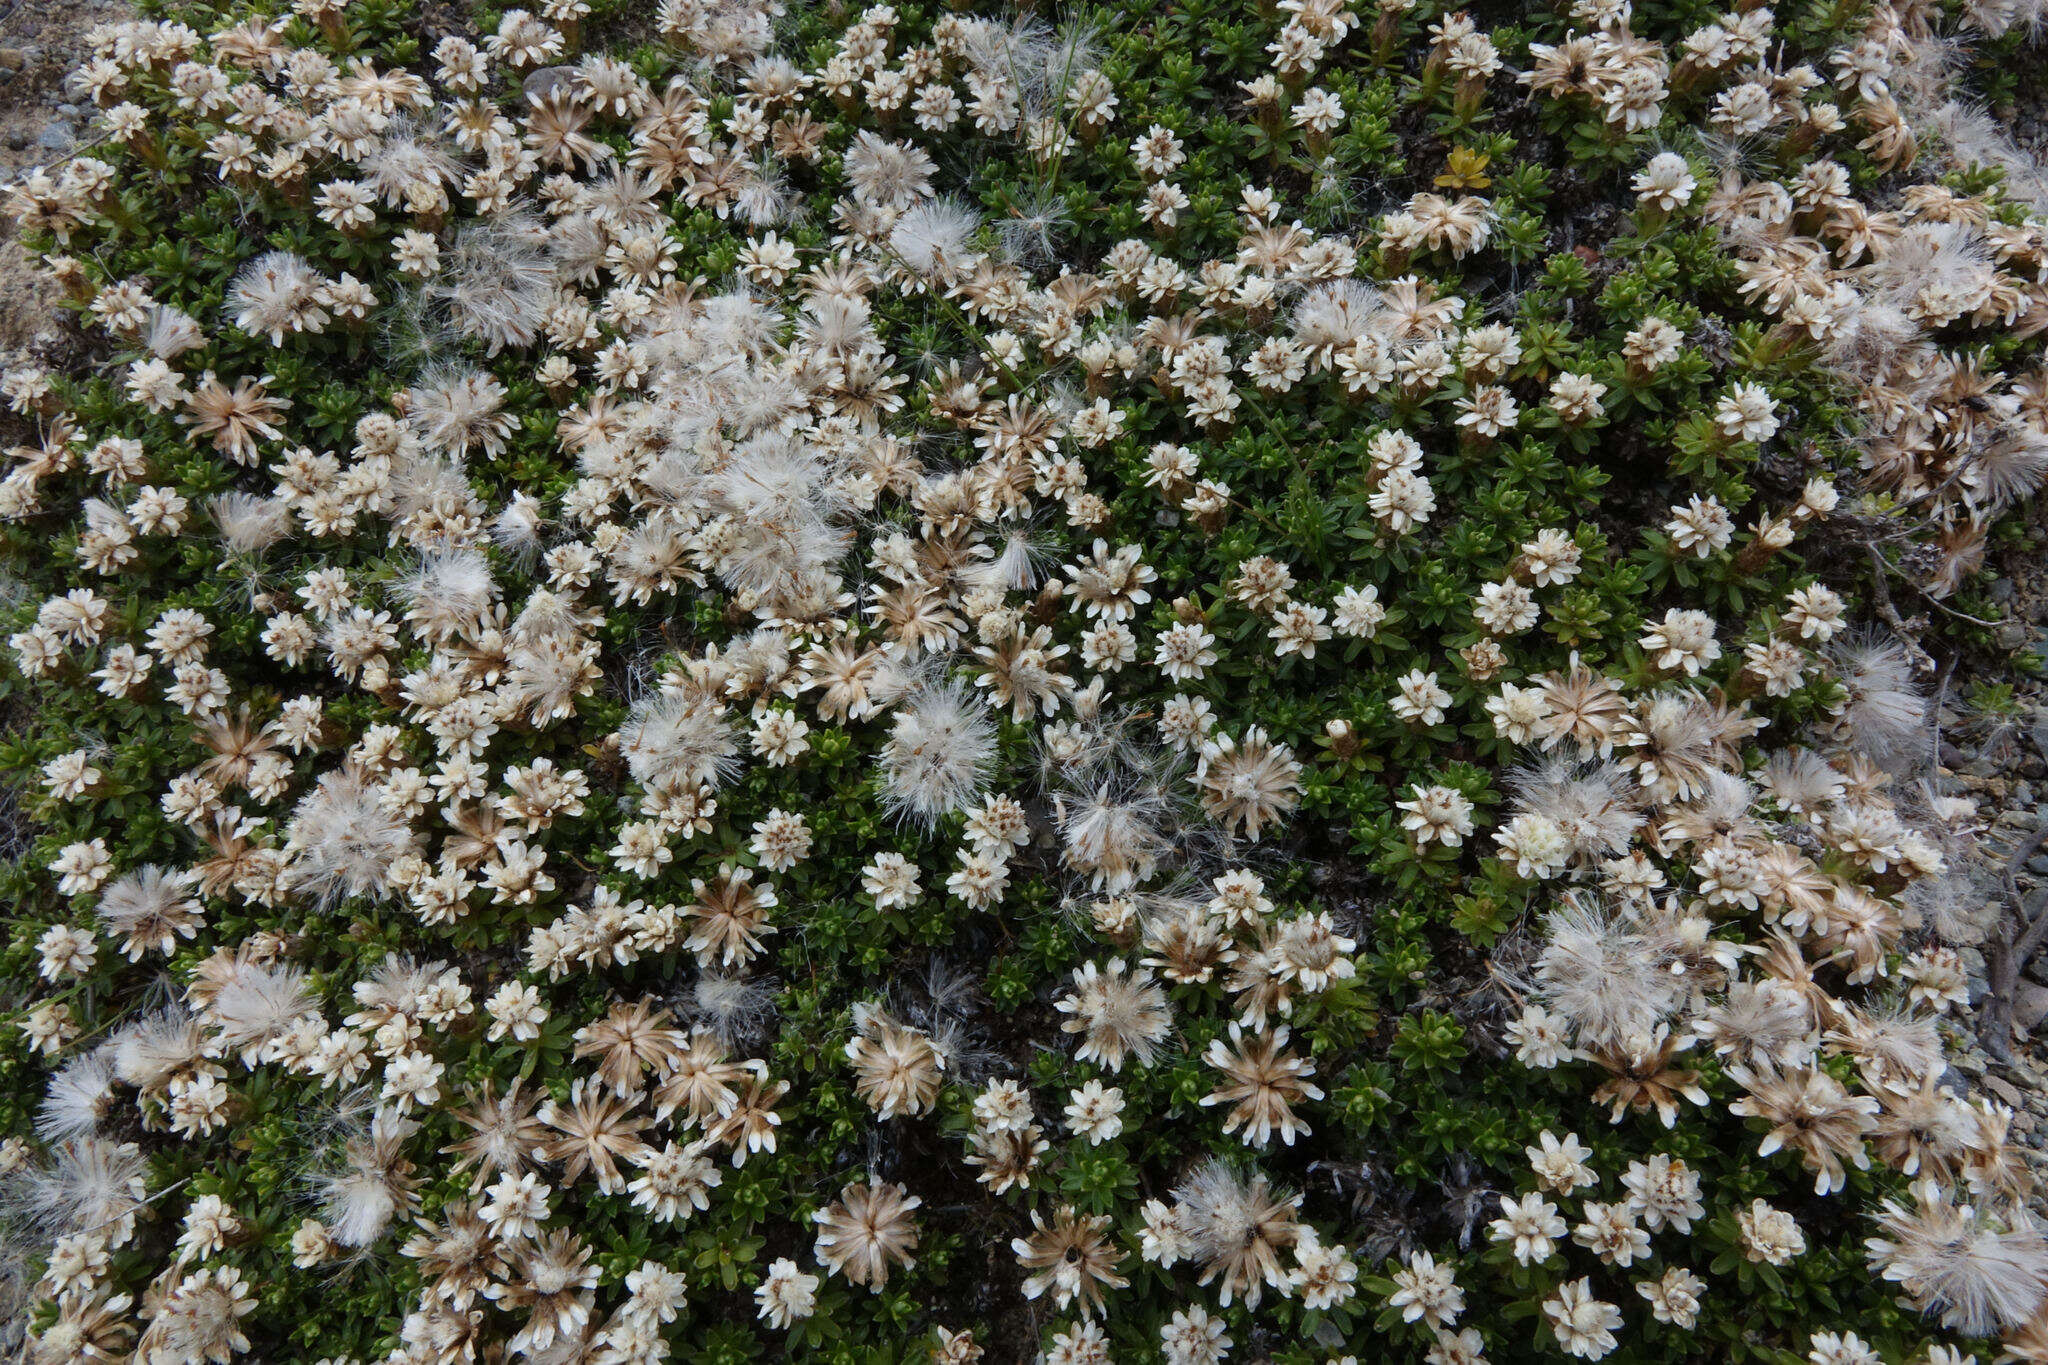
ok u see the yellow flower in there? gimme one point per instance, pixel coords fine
(1466, 170)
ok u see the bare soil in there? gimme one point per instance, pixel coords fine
(40, 42)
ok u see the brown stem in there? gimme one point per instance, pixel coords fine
(2021, 930)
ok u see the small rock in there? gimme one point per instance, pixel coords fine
(2004, 1091)
(2002, 590)
(68, 111)
(57, 136)
(2029, 1006)
(540, 84)
(16, 139)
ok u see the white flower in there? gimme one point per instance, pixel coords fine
(1358, 612)
(980, 879)
(1324, 1275)
(412, 1078)
(1488, 411)
(514, 1207)
(1505, 608)
(1004, 1107)
(641, 849)
(82, 867)
(892, 880)
(1610, 1232)
(310, 1244)
(1436, 813)
(1674, 1297)
(1702, 527)
(1466, 1347)
(1297, 629)
(1684, 639)
(1815, 612)
(1420, 700)
(516, 1011)
(1664, 1190)
(1575, 398)
(1158, 153)
(1542, 1039)
(1532, 1224)
(1747, 413)
(1240, 899)
(1770, 1236)
(1426, 1292)
(1095, 1111)
(786, 1294)
(1534, 845)
(1841, 1348)
(1560, 1164)
(1162, 1241)
(1318, 110)
(65, 951)
(781, 840)
(69, 776)
(1666, 182)
(1584, 1325)
(1108, 646)
(1185, 722)
(779, 737)
(1192, 1337)
(1185, 651)
(1652, 345)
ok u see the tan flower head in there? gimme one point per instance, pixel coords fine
(1071, 1257)
(897, 1069)
(1261, 1082)
(1119, 1013)
(867, 1232)
(1809, 1112)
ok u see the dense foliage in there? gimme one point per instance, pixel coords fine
(1195, 683)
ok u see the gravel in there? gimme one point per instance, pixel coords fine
(40, 42)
